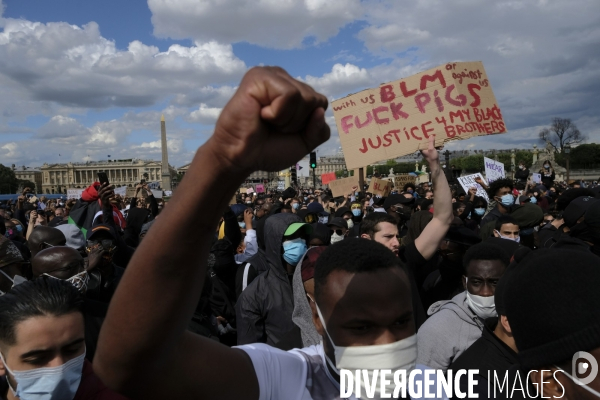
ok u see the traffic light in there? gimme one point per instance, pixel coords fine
(293, 175)
(313, 160)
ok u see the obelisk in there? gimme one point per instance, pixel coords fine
(166, 173)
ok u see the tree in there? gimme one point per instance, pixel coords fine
(8, 181)
(562, 132)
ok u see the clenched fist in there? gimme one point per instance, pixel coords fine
(270, 123)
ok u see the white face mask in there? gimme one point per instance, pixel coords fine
(350, 223)
(336, 238)
(50, 383)
(517, 239)
(396, 356)
(484, 307)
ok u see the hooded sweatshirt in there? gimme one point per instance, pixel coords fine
(264, 309)
(302, 315)
(451, 329)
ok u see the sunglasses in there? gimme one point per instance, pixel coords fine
(337, 231)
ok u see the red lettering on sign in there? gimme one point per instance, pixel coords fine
(364, 149)
(460, 100)
(441, 121)
(494, 126)
(376, 112)
(345, 124)
(397, 112)
(387, 93)
(488, 128)
(502, 127)
(378, 143)
(471, 87)
(457, 114)
(438, 101)
(460, 129)
(426, 130)
(405, 92)
(363, 124)
(450, 132)
(388, 139)
(412, 132)
(422, 99)
(431, 78)
(396, 132)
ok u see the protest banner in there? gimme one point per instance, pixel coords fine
(130, 192)
(452, 101)
(157, 193)
(328, 177)
(260, 188)
(74, 194)
(249, 190)
(168, 193)
(403, 179)
(380, 187)
(494, 170)
(536, 178)
(280, 185)
(468, 182)
(344, 186)
(121, 191)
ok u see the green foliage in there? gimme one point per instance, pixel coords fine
(399, 168)
(8, 181)
(474, 162)
(26, 183)
(584, 156)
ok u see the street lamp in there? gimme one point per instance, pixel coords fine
(568, 153)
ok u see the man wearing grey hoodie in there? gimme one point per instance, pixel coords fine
(454, 325)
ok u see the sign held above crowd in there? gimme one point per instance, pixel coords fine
(380, 187)
(344, 186)
(470, 181)
(494, 170)
(452, 101)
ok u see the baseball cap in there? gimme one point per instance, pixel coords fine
(341, 222)
(316, 208)
(576, 209)
(293, 228)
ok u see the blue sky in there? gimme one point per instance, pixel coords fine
(86, 79)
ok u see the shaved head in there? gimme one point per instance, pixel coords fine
(44, 234)
(61, 262)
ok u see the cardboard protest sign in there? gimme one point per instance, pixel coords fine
(494, 170)
(380, 187)
(130, 192)
(344, 186)
(75, 193)
(536, 178)
(452, 101)
(403, 179)
(122, 191)
(328, 177)
(468, 182)
(260, 188)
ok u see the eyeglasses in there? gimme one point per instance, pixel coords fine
(337, 231)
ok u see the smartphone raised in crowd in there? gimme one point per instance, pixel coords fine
(103, 178)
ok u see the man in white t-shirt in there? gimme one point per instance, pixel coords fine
(144, 350)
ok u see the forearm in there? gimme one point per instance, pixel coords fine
(171, 260)
(442, 202)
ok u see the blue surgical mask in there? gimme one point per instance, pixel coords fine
(19, 228)
(295, 206)
(293, 250)
(242, 225)
(507, 200)
(59, 382)
(357, 212)
(532, 200)
(479, 211)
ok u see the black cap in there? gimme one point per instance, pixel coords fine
(396, 199)
(553, 305)
(577, 208)
(341, 222)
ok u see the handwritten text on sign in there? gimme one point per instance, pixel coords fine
(494, 170)
(452, 101)
(468, 182)
(380, 187)
(403, 179)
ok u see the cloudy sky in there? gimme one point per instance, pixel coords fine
(81, 80)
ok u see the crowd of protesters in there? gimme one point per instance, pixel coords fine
(271, 296)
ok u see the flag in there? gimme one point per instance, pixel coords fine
(299, 167)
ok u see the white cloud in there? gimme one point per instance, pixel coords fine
(77, 67)
(340, 80)
(62, 127)
(270, 23)
(205, 115)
